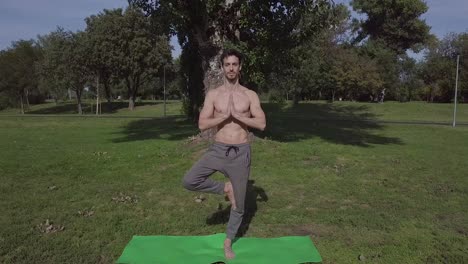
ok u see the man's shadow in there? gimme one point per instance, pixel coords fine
(253, 195)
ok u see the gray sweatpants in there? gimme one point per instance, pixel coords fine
(232, 160)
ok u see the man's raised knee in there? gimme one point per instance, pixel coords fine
(189, 185)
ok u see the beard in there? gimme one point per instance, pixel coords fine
(231, 76)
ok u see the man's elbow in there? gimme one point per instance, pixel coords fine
(201, 126)
(262, 126)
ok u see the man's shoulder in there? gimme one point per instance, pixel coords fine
(214, 92)
(221, 89)
(248, 91)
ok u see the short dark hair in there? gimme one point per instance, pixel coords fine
(231, 52)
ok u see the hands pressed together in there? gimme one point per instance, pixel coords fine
(231, 111)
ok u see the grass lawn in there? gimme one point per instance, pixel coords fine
(391, 193)
(388, 111)
(116, 108)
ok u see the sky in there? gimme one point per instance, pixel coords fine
(25, 19)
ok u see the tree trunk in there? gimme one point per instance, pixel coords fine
(209, 48)
(192, 64)
(132, 87)
(131, 100)
(107, 90)
(134, 95)
(213, 74)
(97, 95)
(200, 56)
(131, 103)
(410, 93)
(296, 98)
(80, 110)
(27, 99)
(108, 96)
(78, 101)
(22, 105)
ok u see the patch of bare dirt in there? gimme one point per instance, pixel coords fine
(47, 227)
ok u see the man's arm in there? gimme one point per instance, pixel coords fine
(257, 120)
(206, 119)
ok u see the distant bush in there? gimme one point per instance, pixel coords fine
(275, 96)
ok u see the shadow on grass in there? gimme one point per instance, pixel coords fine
(170, 128)
(71, 108)
(65, 108)
(339, 124)
(348, 125)
(254, 194)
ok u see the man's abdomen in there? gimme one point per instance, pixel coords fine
(232, 134)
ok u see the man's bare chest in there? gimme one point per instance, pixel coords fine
(241, 102)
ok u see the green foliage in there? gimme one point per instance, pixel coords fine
(387, 63)
(411, 85)
(276, 96)
(65, 64)
(397, 24)
(264, 31)
(175, 83)
(7, 82)
(77, 73)
(102, 32)
(325, 67)
(356, 76)
(439, 69)
(141, 54)
(271, 32)
(18, 75)
(52, 66)
(297, 50)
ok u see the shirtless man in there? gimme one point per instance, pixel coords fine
(231, 108)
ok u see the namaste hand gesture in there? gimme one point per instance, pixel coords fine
(231, 110)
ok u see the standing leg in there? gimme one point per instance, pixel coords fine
(238, 172)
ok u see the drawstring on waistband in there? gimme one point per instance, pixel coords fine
(236, 149)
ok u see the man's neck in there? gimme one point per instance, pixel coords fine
(231, 84)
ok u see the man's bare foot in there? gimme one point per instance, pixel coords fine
(229, 191)
(228, 253)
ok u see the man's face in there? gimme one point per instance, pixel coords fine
(231, 67)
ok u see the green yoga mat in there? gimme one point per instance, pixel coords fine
(209, 249)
